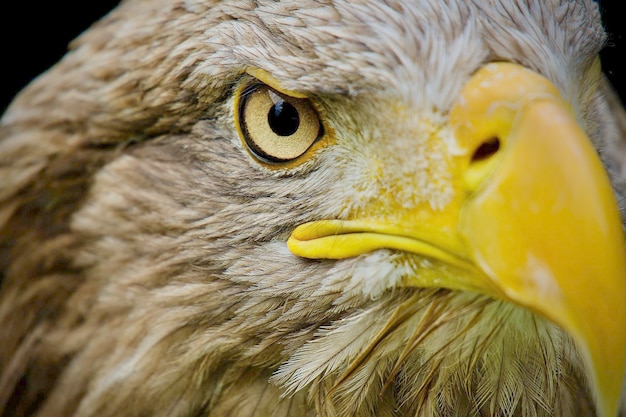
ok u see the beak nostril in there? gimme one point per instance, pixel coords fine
(487, 149)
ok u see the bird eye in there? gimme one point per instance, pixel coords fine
(277, 127)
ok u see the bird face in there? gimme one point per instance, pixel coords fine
(304, 208)
(500, 222)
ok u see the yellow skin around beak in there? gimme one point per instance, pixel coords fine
(537, 223)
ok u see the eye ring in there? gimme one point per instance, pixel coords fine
(276, 127)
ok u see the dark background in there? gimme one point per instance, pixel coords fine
(34, 35)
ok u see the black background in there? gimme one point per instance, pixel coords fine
(34, 36)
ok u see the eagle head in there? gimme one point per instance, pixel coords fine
(317, 208)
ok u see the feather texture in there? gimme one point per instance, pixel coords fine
(143, 262)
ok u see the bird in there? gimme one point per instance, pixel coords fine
(317, 208)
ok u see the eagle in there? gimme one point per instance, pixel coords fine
(323, 208)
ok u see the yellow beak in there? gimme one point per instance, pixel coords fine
(536, 224)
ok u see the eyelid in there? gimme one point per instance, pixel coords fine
(268, 79)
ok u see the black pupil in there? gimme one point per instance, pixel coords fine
(283, 118)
